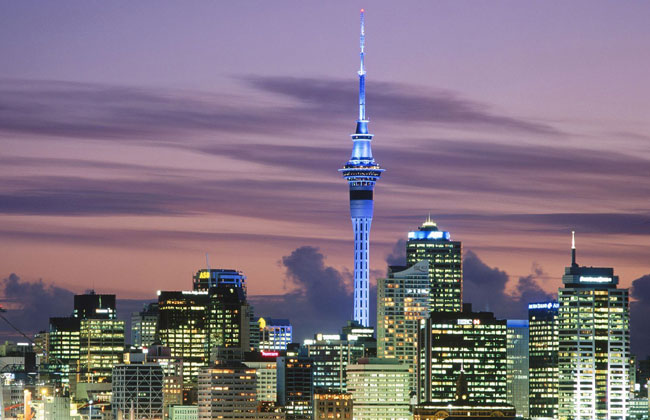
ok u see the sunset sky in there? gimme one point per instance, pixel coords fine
(136, 137)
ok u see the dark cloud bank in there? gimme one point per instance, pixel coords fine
(30, 305)
(100, 111)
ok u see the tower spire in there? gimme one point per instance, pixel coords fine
(362, 122)
(573, 248)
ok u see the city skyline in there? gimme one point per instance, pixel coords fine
(135, 173)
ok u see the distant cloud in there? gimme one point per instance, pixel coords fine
(323, 299)
(639, 315)
(485, 288)
(321, 302)
(398, 255)
(30, 305)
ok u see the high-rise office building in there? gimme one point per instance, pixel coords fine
(227, 391)
(542, 359)
(208, 323)
(63, 348)
(137, 387)
(274, 334)
(101, 346)
(331, 354)
(445, 265)
(101, 336)
(379, 389)
(93, 305)
(89, 343)
(266, 371)
(517, 364)
(143, 325)
(594, 344)
(228, 320)
(402, 301)
(460, 407)
(182, 327)
(472, 342)
(295, 386)
(361, 172)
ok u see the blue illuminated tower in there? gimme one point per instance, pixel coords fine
(361, 172)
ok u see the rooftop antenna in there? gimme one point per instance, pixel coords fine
(573, 248)
(207, 261)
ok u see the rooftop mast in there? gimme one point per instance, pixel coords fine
(573, 248)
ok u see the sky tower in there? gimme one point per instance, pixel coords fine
(361, 172)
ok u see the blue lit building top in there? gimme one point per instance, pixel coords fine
(544, 305)
(517, 323)
(429, 231)
(207, 278)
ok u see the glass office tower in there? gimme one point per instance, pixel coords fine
(594, 345)
(445, 265)
(542, 359)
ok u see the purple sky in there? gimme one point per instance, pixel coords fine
(135, 138)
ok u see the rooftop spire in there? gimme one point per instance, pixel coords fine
(573, 248)
(429, 222)
(362, 125)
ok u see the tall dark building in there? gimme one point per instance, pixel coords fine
(210, 322)
(95, 306)
(182, 327)
(295, 386)
(63, 348)
(228, 319)
(445, 265)
(471, 342)
(90, 342)
(518, 366)
(361, 172)
(542, 359)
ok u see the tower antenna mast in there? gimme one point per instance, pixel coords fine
(362, 70)
(573, 248)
